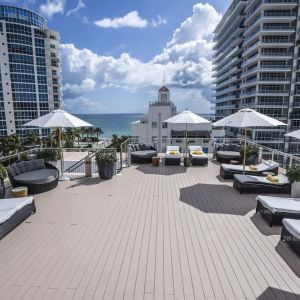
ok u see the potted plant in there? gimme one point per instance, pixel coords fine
(107, 163)
(49, 155)
(252, 152)
(3, 175)
(293, 174)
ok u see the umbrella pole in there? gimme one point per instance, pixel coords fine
(245, 148)
(186, 141)
(62, 165)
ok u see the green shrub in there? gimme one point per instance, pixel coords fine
(3, 173)
(106, 156)
(293, 173)
(49, 154)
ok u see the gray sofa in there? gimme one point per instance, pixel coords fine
(141, 153)
(38, 175)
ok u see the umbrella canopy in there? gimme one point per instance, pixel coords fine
(294, 134)
(58, 118)
(247, 118)
(187, 117)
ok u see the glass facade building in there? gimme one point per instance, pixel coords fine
(30, 73)
(256, 65)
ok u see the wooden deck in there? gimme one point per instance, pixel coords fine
(149, 233)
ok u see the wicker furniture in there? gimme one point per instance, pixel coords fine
(197, 159)
(141, 153)
(259, 184)
(275, 209)
(13, 212)
(227, 152)
(37, 175)
(173, 156)
(290, 233)
(227, 171)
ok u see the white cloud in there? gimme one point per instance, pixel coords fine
(79, 6)
(87, 85)
(186, 61)
(52, 7)
(159, 21)
(132, 19)
(86, 105)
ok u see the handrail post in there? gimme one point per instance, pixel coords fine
(291, 161)
(273, 154)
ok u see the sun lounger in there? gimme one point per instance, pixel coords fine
(173, 156)
(197, 156)
(13, 212)
(275, 209)
(227, 171)
(290, 233)
(259, 184)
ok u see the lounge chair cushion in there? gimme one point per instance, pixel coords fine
(37, 176)
(6, 215)
(29, 165)
(8, 207)
(280, 204)
(144, 153)
(15, 168)
(21, 166)
(39, 164)
(259, 179)
(14, 203)
(293, 226)
(266, 165)
(172, 148)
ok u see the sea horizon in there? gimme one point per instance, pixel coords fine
(115, 123)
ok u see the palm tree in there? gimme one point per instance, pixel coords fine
(31, 139)
(69, 137)
(98, 132)
(77, 134)
(14, 143)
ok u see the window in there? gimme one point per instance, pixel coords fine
(54, 72)
(20, 58)
(154, 124)
(43, 88)
(42, 79)
(164, 125)
(43, 97)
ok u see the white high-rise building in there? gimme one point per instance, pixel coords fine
(30, 70)
(256, 65)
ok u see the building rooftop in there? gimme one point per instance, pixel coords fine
(165, 233)
(164, 89)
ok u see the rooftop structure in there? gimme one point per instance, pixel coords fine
(164, 233)
(30, 78)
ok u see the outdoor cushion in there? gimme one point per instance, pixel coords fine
(21, 167)
(11, 171)
(145, 153)
(280, 204)
(39, 164)
(37, 176)
(6, 215)
(293, 226)
(195, 148)
(260, 168)
(282, 179)
(29, 165)
(14, 203)
(172, 148)
(228, 154)
(17, 171)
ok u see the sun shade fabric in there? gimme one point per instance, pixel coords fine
(247, 118)
(58, 119)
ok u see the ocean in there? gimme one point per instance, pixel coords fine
(118, 124)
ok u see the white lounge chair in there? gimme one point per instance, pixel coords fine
(197, 159)
(13, 212)
(275, 209)
(173, 155)
(291, 233)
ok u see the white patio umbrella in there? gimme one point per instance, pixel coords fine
(294, 134)
(59, 119)
(247, 118)
(187, 117)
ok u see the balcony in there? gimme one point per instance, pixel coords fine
(152, 232)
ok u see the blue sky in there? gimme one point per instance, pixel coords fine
(116, 53)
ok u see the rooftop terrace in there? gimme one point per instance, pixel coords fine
(149, 233)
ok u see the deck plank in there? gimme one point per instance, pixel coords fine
(151, 233)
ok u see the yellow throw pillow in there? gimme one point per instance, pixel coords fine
(273, 179)
(174, 152)
(253, 168)
(197, 152)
